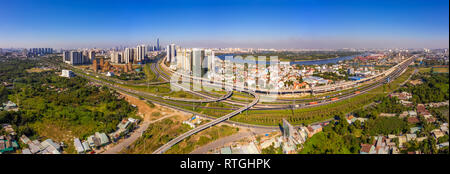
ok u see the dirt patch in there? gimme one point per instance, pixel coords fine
(415, 82)
(144, 110)
(150, 113)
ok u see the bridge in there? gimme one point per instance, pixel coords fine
(178, 139)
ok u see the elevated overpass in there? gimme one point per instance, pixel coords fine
(180, 138)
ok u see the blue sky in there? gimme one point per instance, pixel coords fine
(227, 23)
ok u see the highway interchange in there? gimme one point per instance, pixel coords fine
(171, 102)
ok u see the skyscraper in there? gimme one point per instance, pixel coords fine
(211, 60)
(76, 58)
(171, 53)
(157, 45)
(66, 56)
(141, 52)
(91, 55)
(129, 55)
(198, 62)
(184, 59)
(116, 57)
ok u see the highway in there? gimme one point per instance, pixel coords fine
(224, 97)
(321, 101)
(176, 140)
(391, 74)
(394, 74)
(320, 89)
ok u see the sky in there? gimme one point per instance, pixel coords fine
(225, 23)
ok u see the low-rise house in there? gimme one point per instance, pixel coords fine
(387, 115)
(431, 120)
(49, 147)
(34, 148)
(443, 145)
(25, 139)
(406, 103)
(412, 113)
(444, 127)
(9, 129)
(414, 129)
(90, 141)
(86, 146)
(391, 136)
(313, 129)
(410, 137)
(437, 133)
(401, 140)
(49, 142)
(362, 120)
(420, 139)
(413, 120)
(367, 149)
(390, 143)
(6, 146)
(403, 114)
(402, 95)
(10, 106)
(103, 138)
(78, 146)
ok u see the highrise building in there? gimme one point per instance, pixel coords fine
(66, 56)
(116, 57)
(157, 45)
(129, 55)
(140, 53)
(76, 58)
(198, 62)
(171, 53)
(211, 59)
(91, 55)
(24, 52)
(40, 51)
(184, 59)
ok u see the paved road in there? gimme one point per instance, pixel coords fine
(319, 89)
(392, 73)
(176, 140)
(133, 137)
(399, 68)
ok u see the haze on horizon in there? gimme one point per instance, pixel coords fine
(226, 23)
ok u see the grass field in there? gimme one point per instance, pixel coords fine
(37, 70)
(202, 138)
(158, 134)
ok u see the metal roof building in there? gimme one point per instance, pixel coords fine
(78, 145)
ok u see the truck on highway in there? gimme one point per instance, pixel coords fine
(334, 99)
(357, 92)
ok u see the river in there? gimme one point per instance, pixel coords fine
(311, 62)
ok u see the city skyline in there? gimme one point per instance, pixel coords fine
(221, 24)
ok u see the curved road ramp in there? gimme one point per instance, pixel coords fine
(178, 139)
